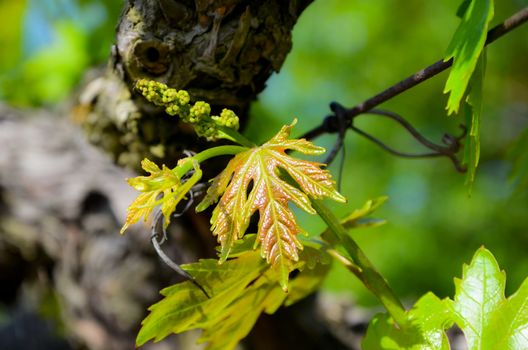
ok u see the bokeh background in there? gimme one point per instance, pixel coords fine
(345, 51)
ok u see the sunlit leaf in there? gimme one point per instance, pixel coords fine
(241, 315)
(478, 294)
(358, 218)
(186, 307)
(240, 289)
(264, 295)
(508, 326)
(314, 265)
(162, 183)
(251, 181)
(427, 322)
(487, 318)
(465, 48)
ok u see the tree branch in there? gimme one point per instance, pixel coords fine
(451, 144)
(330, 126)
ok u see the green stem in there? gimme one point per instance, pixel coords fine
(235, 136)
(186, 166)
(365, 271)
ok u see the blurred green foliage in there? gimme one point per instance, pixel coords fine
(346, 51)
(48, 45)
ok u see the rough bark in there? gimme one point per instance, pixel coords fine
(220, 51)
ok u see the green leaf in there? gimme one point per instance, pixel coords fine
(478, 294)
(315, 267)
(473, 113)
(433, 317)
(241, 246)
(465, 48)
(425, 330)
(236, 320)
(358, 217)
(186, 307)
(489, 320)
(241, 289)
(463, 8)
(508, 328)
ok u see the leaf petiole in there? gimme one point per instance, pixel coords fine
(362, 267)
(233, 135)
(186, 164)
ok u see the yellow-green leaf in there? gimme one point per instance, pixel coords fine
(240, 289)
(427, 322)
(489, 320)
(252, 182)
(162, 187)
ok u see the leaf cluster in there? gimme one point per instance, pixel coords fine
(479, 308)
(465, 81)
(241, 289)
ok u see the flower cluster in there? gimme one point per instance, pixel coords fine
(177, 102)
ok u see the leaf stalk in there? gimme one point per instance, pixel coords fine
(363, 268)
(186, 164)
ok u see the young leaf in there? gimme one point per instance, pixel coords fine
(487, 318)
(508, 327)
(314, 265)
(264, 295)
(161, 181)
(238, 319)
(251, 181)
(241, 289)
(358, 217)
(478, 294)
(427, 322)
(186, 307)
(473, 112)
(465, 48)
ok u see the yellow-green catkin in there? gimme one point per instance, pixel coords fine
(177, 102)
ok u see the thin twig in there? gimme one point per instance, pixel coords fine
(508, 25)
(449, 149)
(159, 222)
